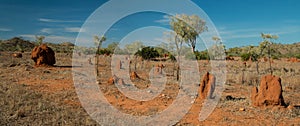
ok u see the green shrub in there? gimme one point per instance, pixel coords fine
(147, 53)
(245, 56)
(203, 55)
(104, 51)
(172, 57)
(190, 56)
(275, 57)
(297, 56)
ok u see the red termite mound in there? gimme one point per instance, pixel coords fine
(207, 86)
(269, 93)
(114, 79)
(43, 55)
(133, 76)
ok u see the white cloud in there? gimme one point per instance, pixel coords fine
(51, 38)
(31, 37)
(74, 29)
(255, 32)
(164, 21)
(5, 29)
(67, 29)
(56, 21)
(59, 39)
(47, 30)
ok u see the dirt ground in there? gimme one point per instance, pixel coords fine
(46, 95)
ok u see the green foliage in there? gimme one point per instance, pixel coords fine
(275, 57)
(190, 56)
(203, 55)
(16, 44)
(111, 47)
(147, 53)
(39, 39)
(172, 57)
(245, 56)
(187, 28)
(105, 51)
(98, 41)
(88, 51)
(217, 51)
(161, 51)
(234, 51)
(297, 56)
(132, 48)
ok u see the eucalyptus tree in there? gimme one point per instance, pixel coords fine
(98, 42)
(266, 44)
(215, 50)
(133, 47)
(187, 28)
(39, 39)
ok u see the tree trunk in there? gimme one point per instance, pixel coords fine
(257, 67)
(178, 67)
(193, 49)
(97, 63)
(270, 64)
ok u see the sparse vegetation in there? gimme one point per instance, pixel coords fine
(147, 53)
(42, 96)
(39, 40)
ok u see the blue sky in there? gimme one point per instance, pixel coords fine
(239, 22)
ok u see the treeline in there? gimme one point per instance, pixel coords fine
(277, 51)
(18, 44)
(137, 48)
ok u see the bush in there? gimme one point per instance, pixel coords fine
(104, 51)
(147, 53)
(203, 55)
(297, 56)
(172, 57)
(245, 56)
(190, 56)
(275, 57)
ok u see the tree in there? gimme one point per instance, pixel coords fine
(39, 39)
(112, 46)
(187, 28)
(147, 53)
(178, 44)
(216, 50)
(132, 48)
(266, 44)
(98, 42)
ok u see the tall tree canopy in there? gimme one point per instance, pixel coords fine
(187, 28)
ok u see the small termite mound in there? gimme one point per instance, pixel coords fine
(207, 86)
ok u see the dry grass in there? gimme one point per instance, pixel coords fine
(46, 96)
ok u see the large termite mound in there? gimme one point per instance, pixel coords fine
(269, 93)
(43, 55)
(207, 86)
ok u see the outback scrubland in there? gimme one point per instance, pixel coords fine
(32, 95)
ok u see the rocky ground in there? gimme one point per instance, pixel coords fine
(47, 96)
